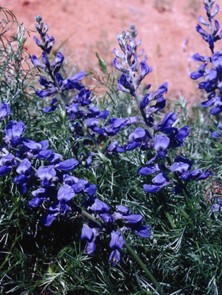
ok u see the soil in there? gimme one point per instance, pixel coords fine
(83, 27)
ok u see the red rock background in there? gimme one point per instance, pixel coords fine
(166, 27)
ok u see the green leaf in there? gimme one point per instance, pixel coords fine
(102, 64)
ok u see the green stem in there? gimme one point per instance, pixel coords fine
(90, 217)
(9, 252)
(145, 269)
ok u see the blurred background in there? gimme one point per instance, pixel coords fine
(83, 27)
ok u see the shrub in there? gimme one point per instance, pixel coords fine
(98, 198)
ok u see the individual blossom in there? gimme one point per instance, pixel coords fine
(52, 107)
(158, 182)
(46, 174)
(39, 196)
(89, 235)
(67, 165)
(217, 205)
(13, 132)
(7, 163)
(116, 245)
(4, 110)
(25, 174)
(57, 209)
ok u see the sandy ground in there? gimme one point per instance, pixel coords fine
(166, 27)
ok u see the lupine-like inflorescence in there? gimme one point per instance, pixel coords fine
(49, 181)
(85, 119)
(157, 138)
(210, 70)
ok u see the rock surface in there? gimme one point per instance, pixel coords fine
(166, 27)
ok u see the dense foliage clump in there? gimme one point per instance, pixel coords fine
(119, 194)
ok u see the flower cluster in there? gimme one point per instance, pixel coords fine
(155, 138)
(115, 223)
(57, 193)
(54, 84)
(87, 122)
(210, 68)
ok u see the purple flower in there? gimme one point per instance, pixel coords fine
(133, 219)
(36, 62)
(90, 247)
(4, 110)
(160, 179)
(217, 133)
(54, 158)
(22, 183)
(46, 174)
(145, 69)
(67, 165)
(217, 206)
(181, 164)
(87, 233)
(181, 135)
(90, 189)
(54, 211)
(13, 132)
(199, 73)
(65, 193)
(4, 170)
(92, 122)
(116, 244)
(49, 218)
(122, 209)
(39, 196)
(210, 70)
(139, 138)
(143, 231)
(167, 124)
(125, 84)
(33, 149)
(57, 63)
(198, 174)
(31, 144)
(99, 206)
(107, 218)
(117, 240)
(8, 160)
(149, 169)
(51, 107)
(114, 257)
(24, 167)
(160, 144)
(150, 188)
(129, 64)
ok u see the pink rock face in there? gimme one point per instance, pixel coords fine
(166, 27)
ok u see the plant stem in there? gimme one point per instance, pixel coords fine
(90, 217)
(143, 266)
